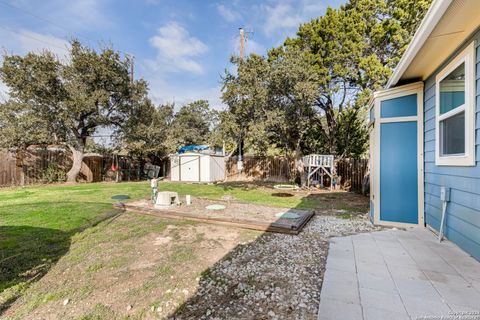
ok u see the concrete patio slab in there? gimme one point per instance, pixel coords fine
(397, 274)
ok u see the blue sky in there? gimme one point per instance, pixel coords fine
(181, 47)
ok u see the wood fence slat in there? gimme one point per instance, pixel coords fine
(352, 172)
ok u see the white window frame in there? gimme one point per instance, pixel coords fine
(467, 56)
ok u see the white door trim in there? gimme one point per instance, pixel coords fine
(416, 88)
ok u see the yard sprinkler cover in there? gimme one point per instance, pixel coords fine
(120, 197)
(216, 207)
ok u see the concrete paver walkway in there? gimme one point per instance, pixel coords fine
(396, 274)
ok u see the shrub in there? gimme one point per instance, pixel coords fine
(54, 173)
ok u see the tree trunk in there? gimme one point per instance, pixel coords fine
(332, 128)
(77, 154)
(331, 125)
(20, 155)
(299, 166)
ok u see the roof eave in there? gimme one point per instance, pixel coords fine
(429, 22)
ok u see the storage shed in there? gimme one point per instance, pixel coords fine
(197, 167)
(425, 130)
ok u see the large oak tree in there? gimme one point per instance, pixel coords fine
(159, 130)
(354, 50)
(310, 93)
(64, 101)
(272, 100)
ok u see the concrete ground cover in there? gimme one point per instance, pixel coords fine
(397, 274)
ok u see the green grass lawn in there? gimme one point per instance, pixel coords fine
(37, 224)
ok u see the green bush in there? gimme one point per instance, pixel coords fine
(54, 173)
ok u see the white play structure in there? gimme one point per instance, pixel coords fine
(318, 164)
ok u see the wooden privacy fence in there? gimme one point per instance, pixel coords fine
(351, 173)
(257, 168)
(29, 167)
(18, 168)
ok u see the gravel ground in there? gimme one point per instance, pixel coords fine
(276, 276)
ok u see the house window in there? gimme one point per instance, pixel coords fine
(455, 113)
(452, 112)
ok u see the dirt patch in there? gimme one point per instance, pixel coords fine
(233, 213)
(135, 266)
(162, 240)
(233, 209)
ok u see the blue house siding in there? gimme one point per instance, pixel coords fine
(463, 211)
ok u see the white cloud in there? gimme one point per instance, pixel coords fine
(71, 16)
(23, 41)
(227, 13)
(88, 13)
(315, 7)
(162, 91)
(33, 41)
(176, 50)
(251, 46)
(280, 17)
(285, 16)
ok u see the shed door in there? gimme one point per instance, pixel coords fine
(190, 168)
(399, 159)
